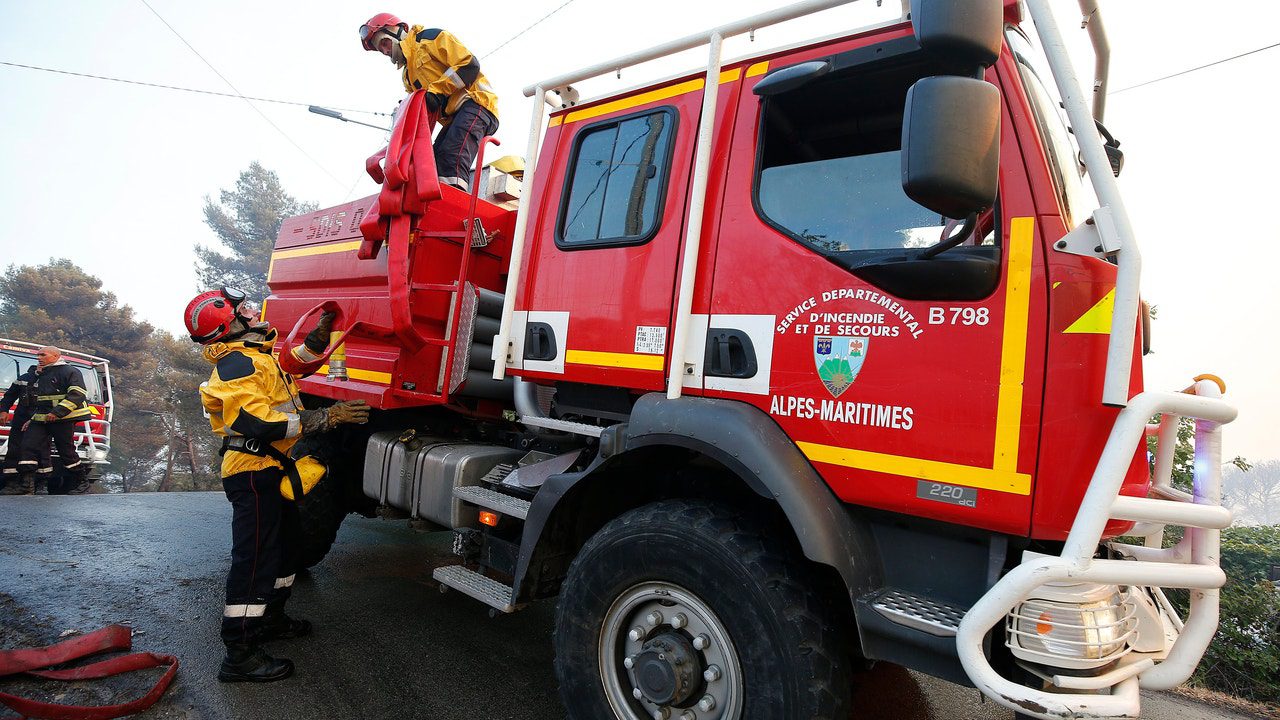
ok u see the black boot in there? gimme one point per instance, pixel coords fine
(14, 485)
(283, 627)
(81, 486)
(250, 663)
(25, 485)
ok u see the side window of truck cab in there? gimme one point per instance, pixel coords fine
(616, 181)
(829, 168)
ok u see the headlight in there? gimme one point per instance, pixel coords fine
(1078, 626)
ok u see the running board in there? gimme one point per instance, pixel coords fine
(919, 612)
(492, 500)
(562, 425)
(477, 586)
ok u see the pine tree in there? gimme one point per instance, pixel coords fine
(246, 221)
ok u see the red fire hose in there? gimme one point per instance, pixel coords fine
(112, 637)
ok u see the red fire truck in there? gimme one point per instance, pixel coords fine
(93, 436)
(819, 357)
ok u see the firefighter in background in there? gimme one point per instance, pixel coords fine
(457, 93)
(16, 408)
(254, 407)
(61, 403)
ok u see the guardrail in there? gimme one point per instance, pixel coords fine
(1192, 563)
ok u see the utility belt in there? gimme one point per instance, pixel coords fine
(294, 486)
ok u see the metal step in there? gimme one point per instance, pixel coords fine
(562, 425)
(473, 584)
(493, 500)
(498, 474)
(930, 615)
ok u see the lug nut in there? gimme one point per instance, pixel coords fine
(630, 662)
(635, 693)
(711, 674)
(661, 714)
(707, 703)
(654, 618)
(688, 715)
(702, 642)
(637, 634)
(679, 621)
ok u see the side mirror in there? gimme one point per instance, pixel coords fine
(967, 31)
(951, 145)
(791, 77)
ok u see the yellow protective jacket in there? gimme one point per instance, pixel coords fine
(250, 396)
(436, 62)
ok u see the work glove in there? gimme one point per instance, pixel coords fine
(436, 102)
(318, 339)
(354, 412)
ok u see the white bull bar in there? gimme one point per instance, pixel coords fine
(1193, 563)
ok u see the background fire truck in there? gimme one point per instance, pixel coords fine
(824, 356)
(93, 436)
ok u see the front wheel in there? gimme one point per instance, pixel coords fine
(685, 609)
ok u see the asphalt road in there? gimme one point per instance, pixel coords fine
(387, 643)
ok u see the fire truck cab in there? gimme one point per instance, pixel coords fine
(823, 356)
(93, 436)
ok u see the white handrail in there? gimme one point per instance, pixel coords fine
(1124, 317)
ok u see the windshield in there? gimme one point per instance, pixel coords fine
(1074, 192)
(11, 366)
(92, 387)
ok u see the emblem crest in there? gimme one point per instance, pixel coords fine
(838, 360)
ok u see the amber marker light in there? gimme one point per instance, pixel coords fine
(488, 518)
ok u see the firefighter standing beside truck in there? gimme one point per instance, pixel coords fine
(457, 93)
(61, 403)
(254, 407)
(16, 408)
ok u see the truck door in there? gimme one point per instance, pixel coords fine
(596, 303)
(911, 384)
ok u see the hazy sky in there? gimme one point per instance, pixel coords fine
(114, 176)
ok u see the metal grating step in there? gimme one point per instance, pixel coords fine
(498, 474)
(493, 500)
(473, 584)
(562, 425)
(917, 611)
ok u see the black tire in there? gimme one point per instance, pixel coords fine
(788, 646)
(320, 514)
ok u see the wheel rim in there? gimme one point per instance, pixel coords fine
(665, 632)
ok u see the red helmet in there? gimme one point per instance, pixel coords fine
(376, 23)
(209, 314)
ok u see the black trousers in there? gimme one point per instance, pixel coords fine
(456, 145)
(13, 451)
(264, 527)
(35, 447)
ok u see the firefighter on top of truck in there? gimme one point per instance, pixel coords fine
(61, 403)
(457, 93)
(16, 408)
(254, 407)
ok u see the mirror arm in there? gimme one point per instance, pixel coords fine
(966, 230)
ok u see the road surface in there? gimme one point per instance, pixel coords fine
(387, 642)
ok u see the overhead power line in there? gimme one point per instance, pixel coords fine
(527, 29)
(241, 95)
(1191, 70)
(182, 89)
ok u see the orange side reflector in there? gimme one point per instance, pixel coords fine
(1044, 627)
(488, 518)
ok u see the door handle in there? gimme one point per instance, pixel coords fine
(729, 354)
(540, 342)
